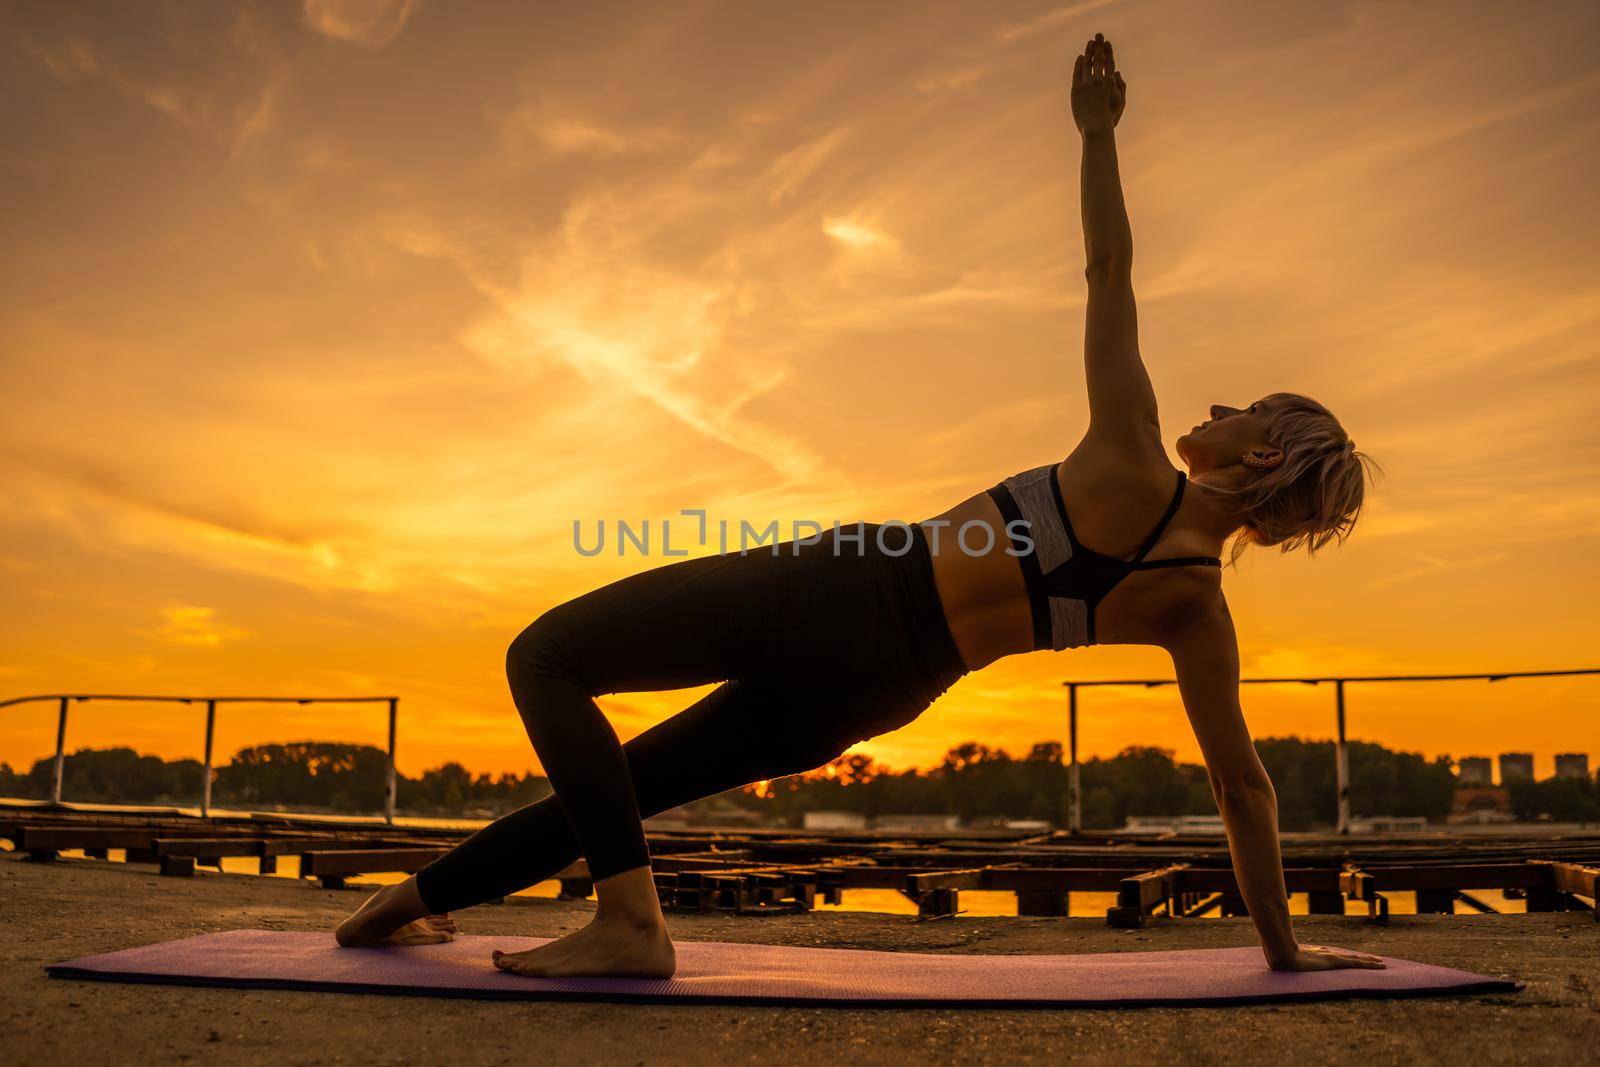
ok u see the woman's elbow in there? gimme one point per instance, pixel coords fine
(1243, 786)
(1109, 267)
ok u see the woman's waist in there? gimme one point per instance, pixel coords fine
(864, 595)
(986, 607)
(981, 582)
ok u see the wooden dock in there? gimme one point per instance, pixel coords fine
(756, 872)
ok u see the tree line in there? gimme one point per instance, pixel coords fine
(974, 780)
(977, 781)
(329, 775)
(1559, 799)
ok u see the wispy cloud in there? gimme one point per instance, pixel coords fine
(368, 23)
(194, 626)
(628, 326)
(558, 128)
(1052, 21)
(1434, 566)
(233, 112)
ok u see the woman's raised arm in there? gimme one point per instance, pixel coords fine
(1122, 402)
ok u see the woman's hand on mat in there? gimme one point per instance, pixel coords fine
(1317, 958)
(1098, 92)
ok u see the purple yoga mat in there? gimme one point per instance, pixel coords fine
(722, 972)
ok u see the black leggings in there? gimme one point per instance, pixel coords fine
(818, 646)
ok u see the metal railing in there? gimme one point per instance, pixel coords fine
(211, 703)
(1074, 792)
(1341, 752)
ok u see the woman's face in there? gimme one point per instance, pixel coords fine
(1227, 435)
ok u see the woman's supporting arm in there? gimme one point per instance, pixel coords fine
(1205, 653)
(1250, 814)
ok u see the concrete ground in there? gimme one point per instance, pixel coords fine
(53, 912)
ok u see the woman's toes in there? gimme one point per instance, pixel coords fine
(506, 963)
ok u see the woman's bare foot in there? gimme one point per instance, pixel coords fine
(627, 939)
(428, 930)
(606, 947)
(394, 915)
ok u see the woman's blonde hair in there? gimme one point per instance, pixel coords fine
(1314, 495)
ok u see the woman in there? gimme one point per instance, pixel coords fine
(822, 644)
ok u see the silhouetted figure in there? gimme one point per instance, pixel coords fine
(825, 644)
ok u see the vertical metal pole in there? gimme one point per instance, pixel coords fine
(61, 754)
(394, 715)
(1342, 761)
(205, 781)
(1074, 794)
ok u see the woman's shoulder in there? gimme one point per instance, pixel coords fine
(1096, 464)
(1110, 493)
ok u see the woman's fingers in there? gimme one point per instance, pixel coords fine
(1351, 958)
(1097, 61)
(1353, 954)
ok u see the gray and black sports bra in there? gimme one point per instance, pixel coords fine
(1065, 580)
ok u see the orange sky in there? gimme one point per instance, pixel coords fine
(321, 326)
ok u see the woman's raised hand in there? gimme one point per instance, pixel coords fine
(1098, 92)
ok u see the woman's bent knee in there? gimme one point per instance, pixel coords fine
(538, 651)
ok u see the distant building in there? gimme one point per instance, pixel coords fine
(917, 822)
(687, 816)
(1475, 770)
(1480, 804)
(1173, 824)
(1516, 767)
(1479, 818)
(1572, 765)
(729, 818)
(675, 819)
(835, 820)
(1002, 822)
(1389, 824)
